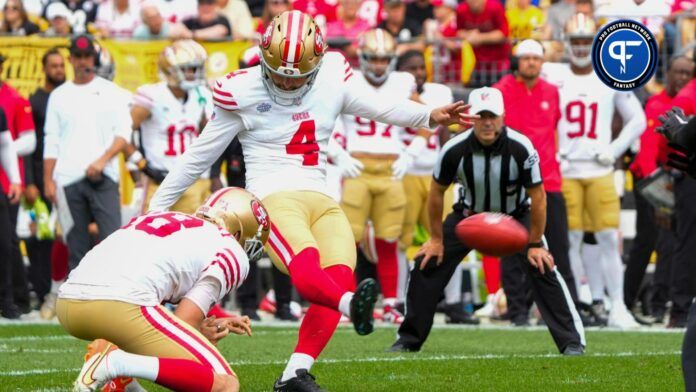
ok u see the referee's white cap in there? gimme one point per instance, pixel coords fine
(486, 99)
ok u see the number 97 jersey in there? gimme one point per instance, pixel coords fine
(587, 110)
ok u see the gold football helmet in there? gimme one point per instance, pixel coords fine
(377, 53)
(182, 64)
(292, 47)
(578, 35)
(242, 215)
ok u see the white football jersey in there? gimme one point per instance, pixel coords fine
(285, 147)
(173, 124)
(373, 137)
(587, 109)
(158, 257)
(434, 94)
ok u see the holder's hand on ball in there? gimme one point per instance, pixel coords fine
(431, 248)
(540, 257)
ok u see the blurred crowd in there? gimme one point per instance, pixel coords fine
(468, 43)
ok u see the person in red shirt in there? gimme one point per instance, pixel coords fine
(483, 24)
(650, 237)
(21, 125)
(683, 264)
(532, 108)
(322, 11)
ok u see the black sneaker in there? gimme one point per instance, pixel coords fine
(573, 350)
(362, 305)
(600, 312)
(303, 382)
(455, 314)
(520, 321)
(283, 313)
(10, 311)
(251, 313)
(401, 347)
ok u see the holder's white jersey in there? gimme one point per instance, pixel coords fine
(173, 124)
(284, 146)
(434, 94)
(158, 257)
(585, 129)
(373, 137)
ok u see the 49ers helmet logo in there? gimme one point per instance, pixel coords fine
(266, 39)
(260, 214)
(318, 42)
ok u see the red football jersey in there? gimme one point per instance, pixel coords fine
(19, 120)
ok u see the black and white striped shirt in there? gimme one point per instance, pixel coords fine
(494, 178)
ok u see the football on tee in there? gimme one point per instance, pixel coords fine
(493, 234)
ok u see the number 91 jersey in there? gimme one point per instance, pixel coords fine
(587, 110)
(172, 124)
(156, 258)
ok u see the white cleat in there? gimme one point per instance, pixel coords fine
(48, 308)
(90, 378)
(620, 317)
(488, 310)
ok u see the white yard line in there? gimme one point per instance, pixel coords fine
(397, 358)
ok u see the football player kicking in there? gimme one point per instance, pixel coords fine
(170, 114)
(116, 292)
(377, 193)
(585, 143)
(284, 112)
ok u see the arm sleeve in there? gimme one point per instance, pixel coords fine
(205, 293)
(204, 150)
(23, 122)
(364, 103)
(634, 122)
(8, 157)
(531, 172)
(25, 143)
(51, 130)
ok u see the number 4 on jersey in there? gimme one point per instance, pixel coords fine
(304, 142)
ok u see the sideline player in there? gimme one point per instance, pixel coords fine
(284, 112)
(377, 193)
(114, 295)
(170, 114)
(585, 143)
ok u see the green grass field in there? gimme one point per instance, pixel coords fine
(44, 358)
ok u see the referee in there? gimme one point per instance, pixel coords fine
(499, 171)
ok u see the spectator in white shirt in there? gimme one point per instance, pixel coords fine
(117, 18)
(87, 125)
(154, 26)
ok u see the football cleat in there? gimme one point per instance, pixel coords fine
(362, 307)
(620, 317)
(303, 382)
(48, 308)
(95, 363)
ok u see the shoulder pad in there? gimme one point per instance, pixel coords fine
(230, 92)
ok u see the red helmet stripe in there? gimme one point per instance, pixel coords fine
(218, 196)
(288, 29)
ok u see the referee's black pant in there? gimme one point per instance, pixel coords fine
(425, 288)
(647, 233)
(516, 282)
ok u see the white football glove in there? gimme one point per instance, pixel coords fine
(400, 166)
(350, 167)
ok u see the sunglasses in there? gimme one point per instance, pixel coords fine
(10, 8)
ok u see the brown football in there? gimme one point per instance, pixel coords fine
(493, 234)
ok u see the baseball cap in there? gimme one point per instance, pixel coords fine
(446, 3)
(486, 99)
(529, 47)
(82, 44)
(57, 9)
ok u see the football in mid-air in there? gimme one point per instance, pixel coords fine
(493, 234)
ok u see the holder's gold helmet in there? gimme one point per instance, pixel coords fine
(377, 44)
(578, 35)
(242, 215)
(178, 59)
(292, 47)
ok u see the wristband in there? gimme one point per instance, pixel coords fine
(535, 245)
